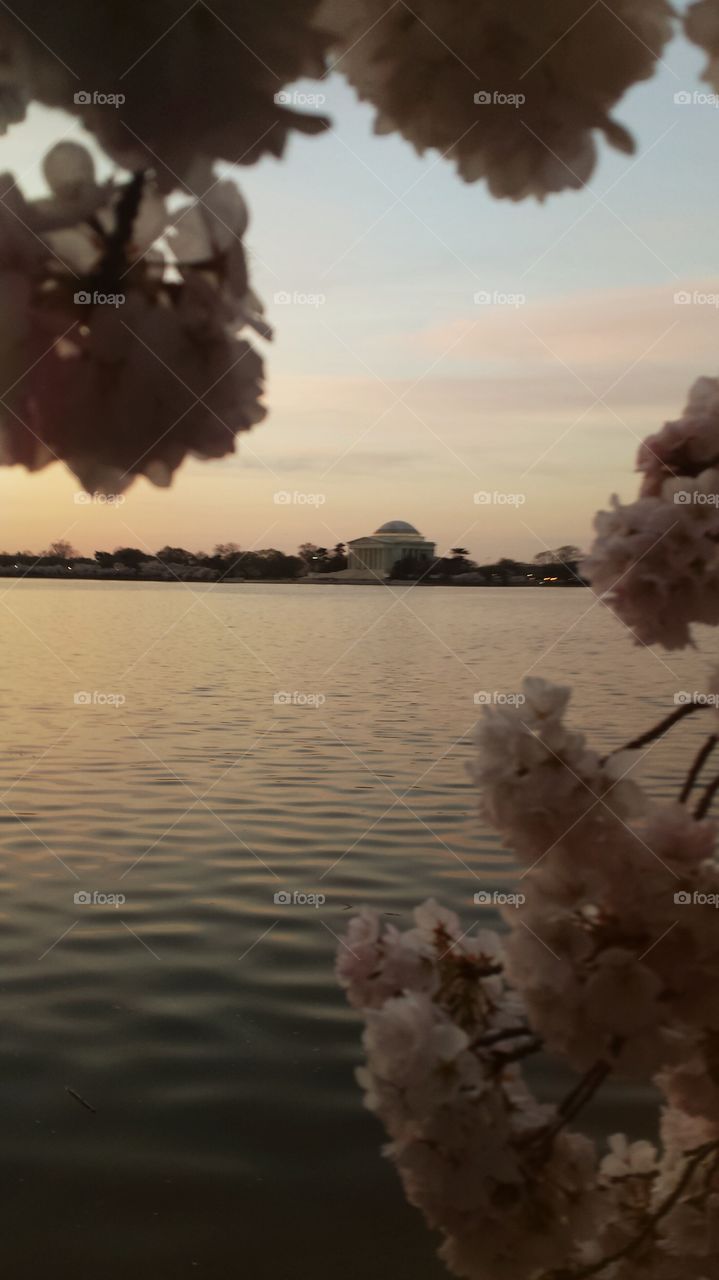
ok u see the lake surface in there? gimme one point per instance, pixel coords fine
(199, 1018)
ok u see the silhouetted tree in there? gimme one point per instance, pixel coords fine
(130, 557)
(338, 559)
(61, 550)
(411, 566)
(175, 555)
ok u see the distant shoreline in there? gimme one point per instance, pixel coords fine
(71, 575)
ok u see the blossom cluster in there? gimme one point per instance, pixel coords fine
(702, 26)
(657, 559)
(514, 94)
(121, 350)
(610, 963)
(205, 82)
(468, 1137)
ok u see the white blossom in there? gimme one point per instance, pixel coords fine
(537, 777)
(112, 365)
(655, 560)
(513, 94)
(685, 447)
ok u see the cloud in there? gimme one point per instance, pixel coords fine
(598, 335)
(363, 462)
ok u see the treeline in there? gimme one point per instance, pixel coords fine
(227, 561)
(560, 567)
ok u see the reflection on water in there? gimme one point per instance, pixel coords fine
(175, 758)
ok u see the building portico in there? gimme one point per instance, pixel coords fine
(375, 555)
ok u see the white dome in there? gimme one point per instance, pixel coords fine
(398, 526)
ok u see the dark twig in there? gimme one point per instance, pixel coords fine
(699, 761)
(707, 797)
(581, 1095)
(489, 1038)
(694, 1159)
(114, 259)
(83, 1102)
(503, 1058)
(686, 709)
(576, 1099)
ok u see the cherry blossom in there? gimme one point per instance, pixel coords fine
(513, 94)
(655, 560)
(206, 82)
(702, 26)
(123, 358)
(610, 960)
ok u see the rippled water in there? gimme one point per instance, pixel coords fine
(200, 1018)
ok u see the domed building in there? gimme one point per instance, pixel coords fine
(375, 555)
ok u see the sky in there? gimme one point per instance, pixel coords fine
(395, 394)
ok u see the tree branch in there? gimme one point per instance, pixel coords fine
(503, 1058)
(698, 764)
(580, 1095)
(488, 1038)
(694, 1159)
(114, 260)
(686, 709)
(707, 797)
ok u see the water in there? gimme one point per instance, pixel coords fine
(199, 1018)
